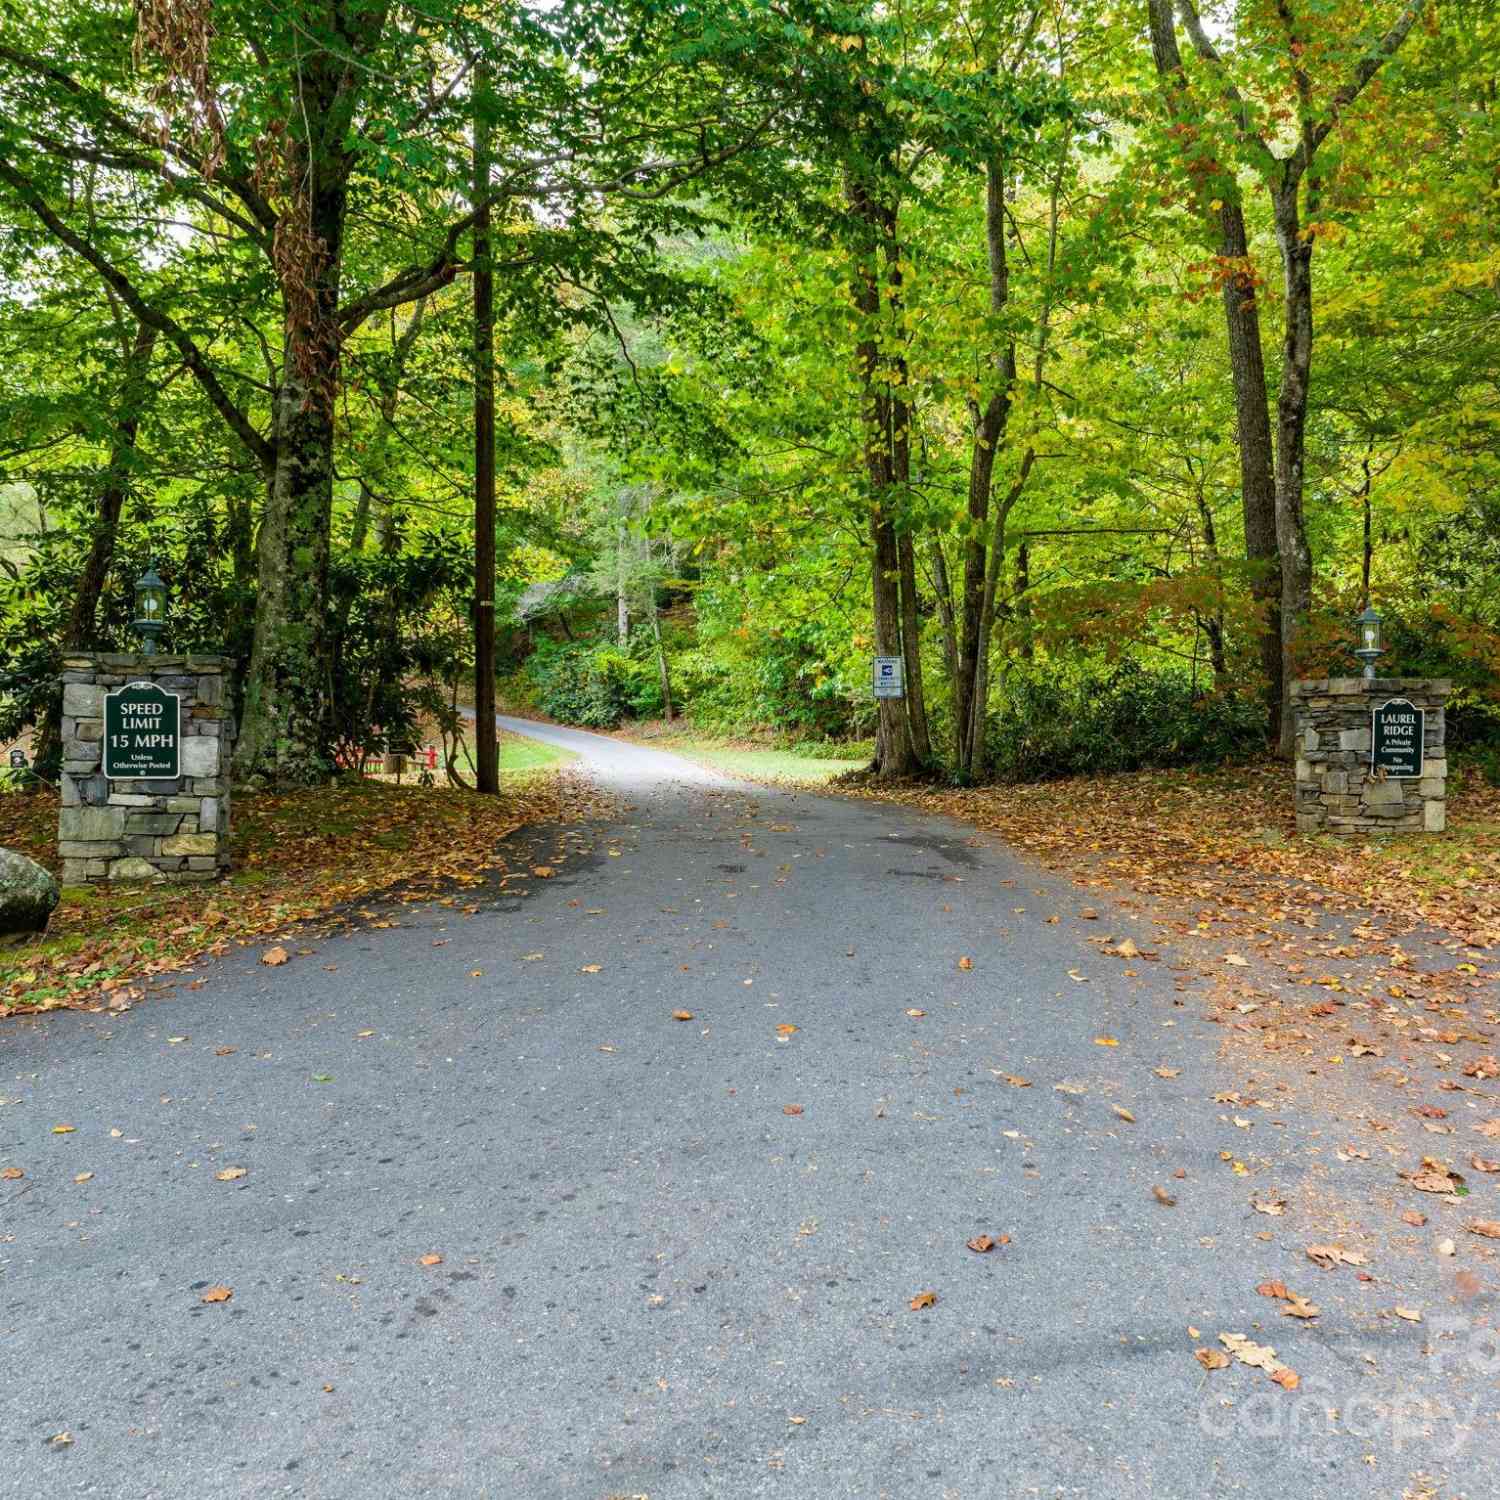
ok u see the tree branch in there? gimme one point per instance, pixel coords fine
(152, 317)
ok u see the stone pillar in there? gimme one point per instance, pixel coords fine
(1338, 789)
(122, 828)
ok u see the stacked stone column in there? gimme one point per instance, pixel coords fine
(131, 829)
(1338, 791)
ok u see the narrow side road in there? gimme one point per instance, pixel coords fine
(494, 1223)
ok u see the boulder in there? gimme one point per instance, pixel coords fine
(27, 896)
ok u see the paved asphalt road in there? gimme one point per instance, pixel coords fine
(655, 1281)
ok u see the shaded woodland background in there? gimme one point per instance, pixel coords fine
(1102, 360)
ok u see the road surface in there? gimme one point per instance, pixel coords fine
(678, 1257)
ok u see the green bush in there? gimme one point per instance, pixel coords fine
(593, 685)
(1124, 718)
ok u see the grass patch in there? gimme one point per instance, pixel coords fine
(297, 856)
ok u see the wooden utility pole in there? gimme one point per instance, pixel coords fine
(486, 750)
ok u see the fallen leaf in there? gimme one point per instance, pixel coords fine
(1411, 1314)
(1328, 1257)
(1166, 1072)
(531, 958)
(915, 1012)
(785, 1029)
(1013, 1079)
(966, 964)
(1257, 1356)
(217, 1294)
(1446, 1247)
(60, 1439)
(1489, 1228)
(682, 1015)
(543, 872)
(1486, 1067)
(1106, 1041)
(361, 1035)
(923, 1300)
(1297, 1306)
(1163, 1197)
(1412, 1217)
(1433, 1177)
(1125, 948)
(275, 957)
(591, 969)
(430, 1259)
(224, 1051)
(11, 1174)
(1236, 960)
(83, 1177)
(1287, 1379)
(791, 1109)
(1484, 1164)
(63, 1129)
(1211, 1359)
(231, 1174)
(1123, 1113)
(1277, 1289)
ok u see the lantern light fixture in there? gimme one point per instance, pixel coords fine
(150, 610)
(1369, 648)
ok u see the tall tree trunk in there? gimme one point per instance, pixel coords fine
(1026, 648)
(894, 752)
(1257, 461)
(943, 590)
(911, 643)
(486, 747)
(663, 675)
(287, 729)
(971, 683)
(79, 634)
(896, 755)
(135, 394)
(901, 414)
(1251, 402)
(286, 726)
(622, 583)
(1291, 434)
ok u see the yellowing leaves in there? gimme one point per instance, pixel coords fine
(217, 1294)
(922, 1301)
(275, 957)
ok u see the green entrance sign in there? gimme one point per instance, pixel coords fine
(1396, 738)
(142, 732)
